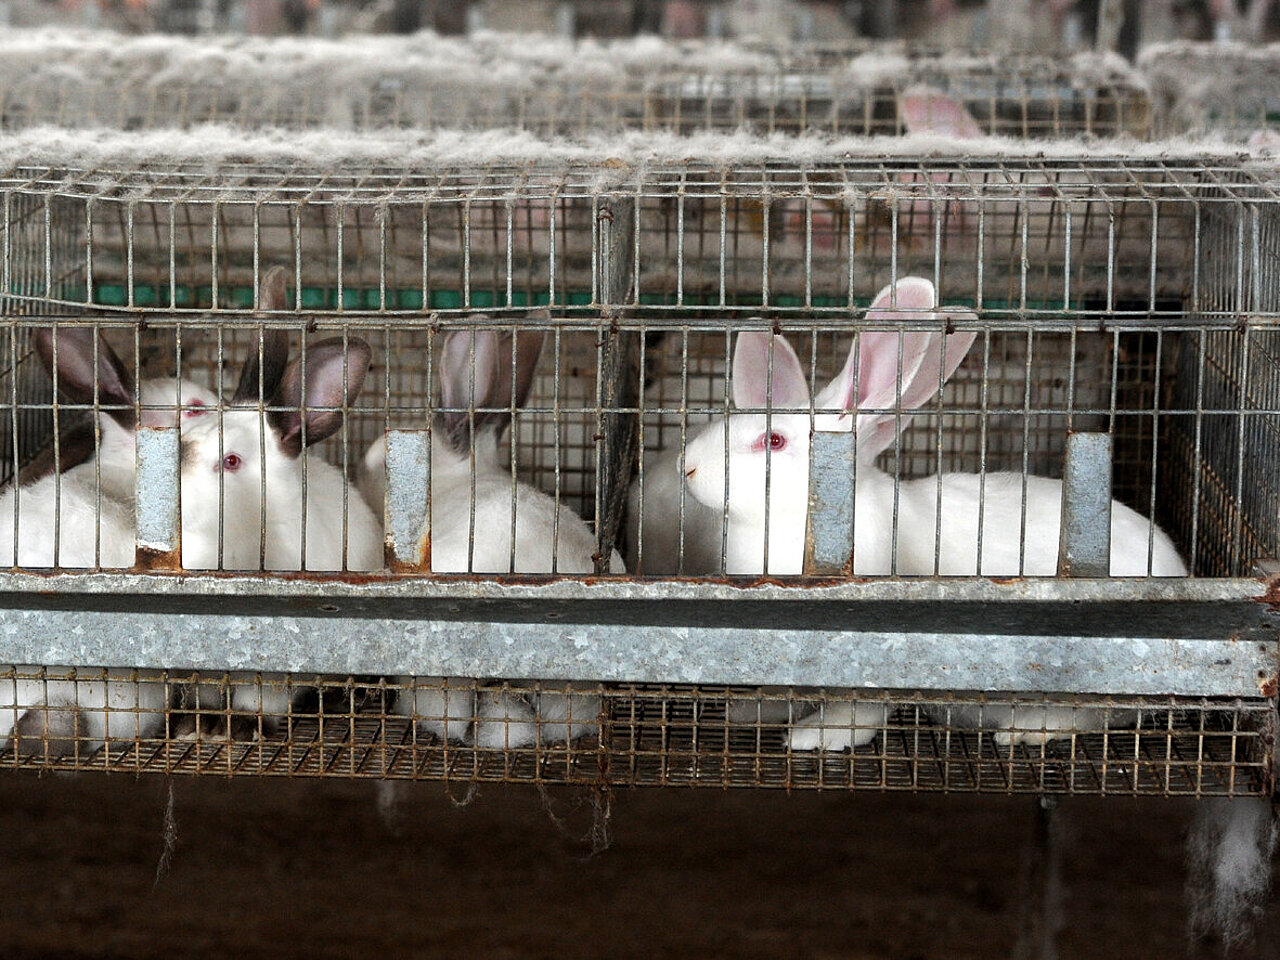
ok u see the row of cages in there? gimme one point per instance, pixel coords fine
(444, 385)
(75, 81)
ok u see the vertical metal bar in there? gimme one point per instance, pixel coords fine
(1085, 548)
(828, 541)
(213, 255)
(406, 501)
(159, 536)
(618, 391)
(88, 251)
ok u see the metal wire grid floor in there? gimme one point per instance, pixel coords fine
(425, 82)
(680, 737)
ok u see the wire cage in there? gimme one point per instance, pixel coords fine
(1229, 89)
(556, 335)
(74, 81)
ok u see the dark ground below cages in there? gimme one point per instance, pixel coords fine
(284, 868)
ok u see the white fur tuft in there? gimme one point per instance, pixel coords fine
(1229, 852)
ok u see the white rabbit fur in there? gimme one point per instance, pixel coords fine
(870, 381)
(504, 719)
(78, 715)
(271, 443)
(91, 508)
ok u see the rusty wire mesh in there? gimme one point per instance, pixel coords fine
(635, 735)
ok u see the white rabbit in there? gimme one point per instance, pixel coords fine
(93, 527)
(479, 386)
(62, 715)
(672, 520)
(887, 375)
(254, 462)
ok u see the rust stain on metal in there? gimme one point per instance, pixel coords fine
(1269, 686)
(147, 560)
(1271, 592)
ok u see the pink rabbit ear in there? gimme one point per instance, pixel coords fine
(896, 371)
(872, 370)
(751, 373)
(468, 361)
(926, 110)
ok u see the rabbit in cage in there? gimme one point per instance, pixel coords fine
(257, 464)
(82, 517)
(229, 490)
(897, 373)
(480, 383)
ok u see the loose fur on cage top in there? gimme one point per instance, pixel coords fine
(71, 60)
(624, 153)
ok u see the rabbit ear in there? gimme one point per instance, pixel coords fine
(517, 374)
(335, 371)
(468, 376)
(896, 371)
(873, 368)
(75, 446)
(478, 370)
(927, 110)
(79, 369)
(751, 381)
(264, 372)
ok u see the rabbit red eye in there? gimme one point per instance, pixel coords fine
(231, 462)
(195, 409)
(774, 441)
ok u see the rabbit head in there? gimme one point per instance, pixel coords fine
(243, 468)
(887, 375)
(87, 371)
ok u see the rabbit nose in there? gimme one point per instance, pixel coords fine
(688, 474)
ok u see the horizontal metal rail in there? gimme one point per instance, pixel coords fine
(1211, 638)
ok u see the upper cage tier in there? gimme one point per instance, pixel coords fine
(1014, 236)
(547, 86)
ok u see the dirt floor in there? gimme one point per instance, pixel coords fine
(306, 868)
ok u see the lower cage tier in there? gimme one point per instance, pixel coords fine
(635, 735)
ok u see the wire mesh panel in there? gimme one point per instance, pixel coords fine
(544, 86)
(1004, 234)
(632, 735)
(830, 372)
(1229, 89)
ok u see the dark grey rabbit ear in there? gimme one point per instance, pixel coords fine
(515, 374)
(468, 373)
(263, 369)
(485, 369)
(84, 358)
(335, 372)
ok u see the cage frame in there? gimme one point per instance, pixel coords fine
(881, 634)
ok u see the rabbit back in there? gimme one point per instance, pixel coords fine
(71, 504)
(538, 536)
(1008, 547)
